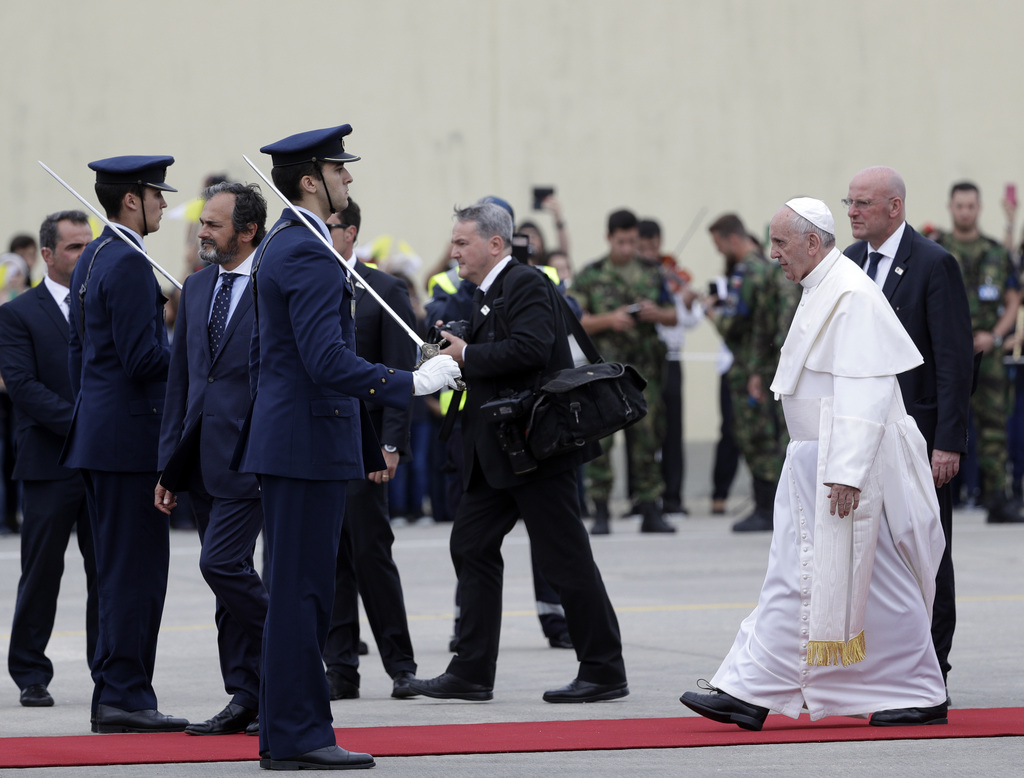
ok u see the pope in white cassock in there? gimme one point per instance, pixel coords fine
(842, 625)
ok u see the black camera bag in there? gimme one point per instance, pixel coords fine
(581, 405)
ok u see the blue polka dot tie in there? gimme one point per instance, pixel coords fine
(221, 307)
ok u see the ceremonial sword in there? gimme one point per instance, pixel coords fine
(113, 226)
(427, 350)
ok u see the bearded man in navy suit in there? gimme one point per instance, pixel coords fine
(34, 364)
(207, 399)
(925, 287)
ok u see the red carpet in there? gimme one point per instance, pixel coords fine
(515, 737)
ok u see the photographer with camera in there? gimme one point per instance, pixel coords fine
(517, 336)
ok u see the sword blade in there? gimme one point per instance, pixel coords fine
(354, 277)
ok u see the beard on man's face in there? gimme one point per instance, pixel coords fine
(208, 252)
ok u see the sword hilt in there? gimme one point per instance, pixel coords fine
(431, 350)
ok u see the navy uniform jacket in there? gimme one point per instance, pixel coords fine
(34, 365)
(926, 289)
(379, 338)
(207, 395)
(119, 366)
(306, 378)
(521, 339)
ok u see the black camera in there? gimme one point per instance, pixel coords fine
(521, 248)
(458, 328)
(508, 412)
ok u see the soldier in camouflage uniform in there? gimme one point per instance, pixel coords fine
(753, 320)
(623, 297)
(993, 292)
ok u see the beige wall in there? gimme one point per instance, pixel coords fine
(665, 107)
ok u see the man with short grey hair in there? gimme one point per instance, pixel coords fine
(517, 336)
(841, 626)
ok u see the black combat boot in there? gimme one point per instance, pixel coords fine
(1002, 511)
(762, 517)
(653, 521)
(600, 525)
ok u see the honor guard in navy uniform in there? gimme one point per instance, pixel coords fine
(34, 364)
(307, 436)
(118, 367)
(207, 398)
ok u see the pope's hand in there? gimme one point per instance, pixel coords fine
(435, 374)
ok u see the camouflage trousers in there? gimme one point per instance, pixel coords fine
(643, 441)
(758, 429)
(990, 406)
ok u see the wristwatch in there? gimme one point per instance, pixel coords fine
(997, 341)
(390, 449)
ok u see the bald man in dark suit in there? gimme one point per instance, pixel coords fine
(923, 283)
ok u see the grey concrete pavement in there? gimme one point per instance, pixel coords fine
(679, 599)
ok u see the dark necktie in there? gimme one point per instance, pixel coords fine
(221, 307)
(67, 304)
(478, 297)
(873, 259)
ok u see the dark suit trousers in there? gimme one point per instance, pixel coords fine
(302, 524)
(366, 569)
(52, 509)
(727, 453)
(944, 606)
(673, 458)
(550, 509)
(228, 529)
(132, 543)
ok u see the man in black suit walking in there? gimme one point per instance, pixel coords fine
(34, 365)
(207, 399)
(923, 283)
(517, 335)
(365, 565)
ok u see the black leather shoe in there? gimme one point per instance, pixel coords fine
(910, 717)
(230, 721)
(401, 690)
(561, 640)
(341, 688)
(327, 758)
(109, 719)
(584, 691)
(363, 648)
(447, 687)
(36, 696)
(254, 727)
(726, 709)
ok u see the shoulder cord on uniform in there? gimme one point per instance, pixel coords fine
(83, 287)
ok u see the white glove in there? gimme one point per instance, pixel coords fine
(440, 372)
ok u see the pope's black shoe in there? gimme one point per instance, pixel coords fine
(448, 687)
(401, 689)
(230, 721)
(584, 691)
(36, 696)
(726, 709)
(254, 727)
(109, 719)
(910, 717)
(327, 758)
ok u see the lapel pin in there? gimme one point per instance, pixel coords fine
(485, 310)
(898, 271)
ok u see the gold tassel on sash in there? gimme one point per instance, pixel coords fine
(834, 652)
